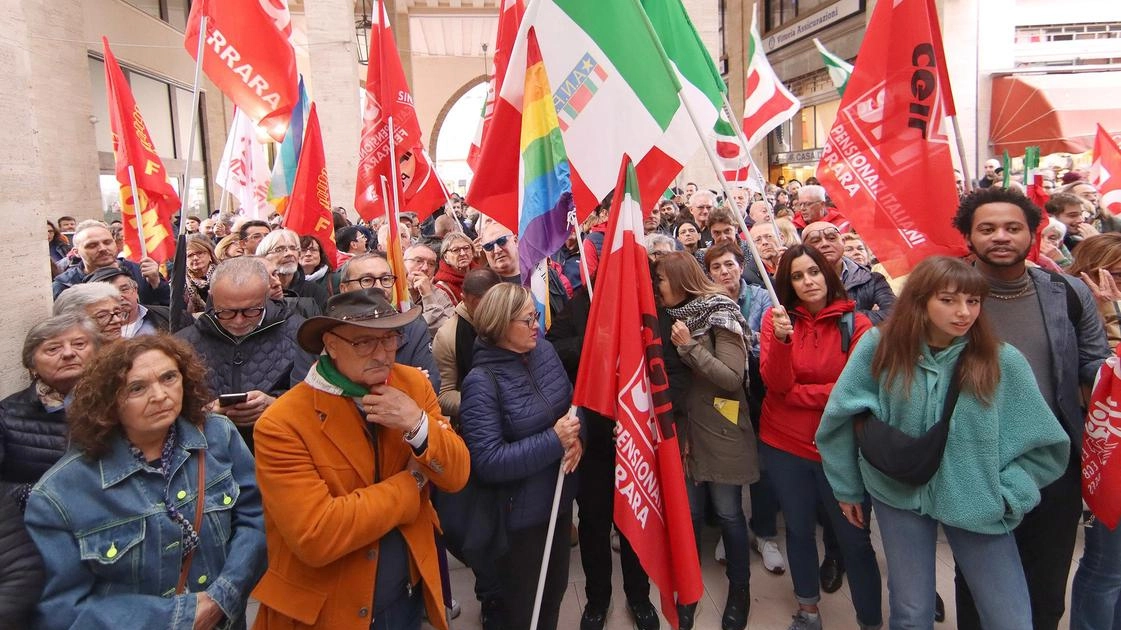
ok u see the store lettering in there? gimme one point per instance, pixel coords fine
(924, 83)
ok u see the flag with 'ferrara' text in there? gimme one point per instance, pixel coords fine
(1101, 439)
(248, 56)
(309, 206)
(886, 162)
(149, 208)
(624, 379)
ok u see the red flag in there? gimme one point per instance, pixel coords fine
(1101, 472)
(309, 206)
(508, 21)
(887, 162)
(387, 96)
(248, 57)
(132, 146)
(627, 381)
(1105, 173)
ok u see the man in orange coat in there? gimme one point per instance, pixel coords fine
(343, 461)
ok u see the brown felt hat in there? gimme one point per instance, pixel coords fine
(368, 308)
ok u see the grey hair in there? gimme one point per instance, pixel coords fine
(53, 327)
(707, 194)
(272, 239)
(81, 228)
(344, 271)
(241, 270)
(425, 246)
(811, 192)
(450, 239)
(654, 240)
(75, 299)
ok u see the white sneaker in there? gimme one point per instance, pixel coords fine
(772, 557)
(721, 557)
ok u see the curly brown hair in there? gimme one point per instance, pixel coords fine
(93, 413)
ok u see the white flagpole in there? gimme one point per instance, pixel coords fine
(183, 199)
(751, 164)
(549, 540)
(580, 246)
(136, 211)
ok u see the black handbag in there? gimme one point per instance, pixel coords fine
(907, 459)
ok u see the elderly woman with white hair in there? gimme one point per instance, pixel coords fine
(282, 247)
(100, 302)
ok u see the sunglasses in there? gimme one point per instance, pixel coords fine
(499, 242)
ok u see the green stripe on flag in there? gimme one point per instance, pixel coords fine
(543, 154)
(621, 30)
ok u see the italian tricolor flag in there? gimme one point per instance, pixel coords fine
(839, 69)
(615, 93)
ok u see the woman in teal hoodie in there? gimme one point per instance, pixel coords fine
(1004, 444)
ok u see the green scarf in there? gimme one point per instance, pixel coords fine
(326, 369)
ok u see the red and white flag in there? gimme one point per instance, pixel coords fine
(154, 202)
(886, 163)
(387, 96)
(624, 379)
(508, 20)
(1101, 469)
(248, 56)
(244, 169)
(309, 206)
(766, 101)
(1105, 172)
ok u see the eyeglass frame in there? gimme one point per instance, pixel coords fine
(220, 313)
(373, 344)
(824, 233)
(369, 281)
(121, 314)
(281, 249)
(530, 321)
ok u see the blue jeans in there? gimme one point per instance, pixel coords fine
(800, 484)
(727, 501)
(764, 508)
(1095, 601)
(991, 565)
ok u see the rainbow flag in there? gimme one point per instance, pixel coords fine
(288, 153)
(546, 187)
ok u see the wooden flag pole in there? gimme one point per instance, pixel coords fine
(185, 197)
(136, 211)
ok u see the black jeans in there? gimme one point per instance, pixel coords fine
(453, 510)
(520, 568)
(596, 499)
(1046, 540)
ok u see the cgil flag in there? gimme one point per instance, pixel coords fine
(288, 153)
(839, 69)
(1101, 471)
(147, 210)
(614, 92)
(1105, 172)
(244, 171)
(545, 183)
(509, 19)
(886, 162)
(248, 56)
(309, 206)
(766, 101)
(627, 382)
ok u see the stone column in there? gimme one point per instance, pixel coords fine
(333, 84)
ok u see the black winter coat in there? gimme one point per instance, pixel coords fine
(31, 439)
(160, 296)
(868, 288)
(21, 568)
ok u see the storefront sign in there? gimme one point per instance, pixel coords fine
(811, 24)
(792, 157)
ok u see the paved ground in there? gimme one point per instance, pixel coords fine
(772, 599)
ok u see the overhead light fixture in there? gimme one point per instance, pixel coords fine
(362, 28)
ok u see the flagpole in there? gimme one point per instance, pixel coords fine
(136, 211)
(185, 197)
(710, 151)
(750, 162)
(549, 539)
(966, 176)
(580, 246)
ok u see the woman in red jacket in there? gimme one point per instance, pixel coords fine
(801, 355)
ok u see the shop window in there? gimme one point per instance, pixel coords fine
(174, 12)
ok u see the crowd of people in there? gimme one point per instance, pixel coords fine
(305, 442)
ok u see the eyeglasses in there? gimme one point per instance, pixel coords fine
(825, 234)
(284, 249)
(313, 249)
(500, 242)
(369, 282)
(365, 347)
(226, 314)
(104, 317)
(460, 250)
(530, 321)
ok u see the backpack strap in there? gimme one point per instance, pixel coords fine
(847, 324)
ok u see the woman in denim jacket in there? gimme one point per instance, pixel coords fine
(115, 518)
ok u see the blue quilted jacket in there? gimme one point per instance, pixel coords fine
(510, 403)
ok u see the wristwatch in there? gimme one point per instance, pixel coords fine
(420, 480)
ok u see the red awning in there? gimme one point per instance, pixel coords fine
(1056, 112)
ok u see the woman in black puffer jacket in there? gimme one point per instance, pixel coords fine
(33, 421)
(515, 417)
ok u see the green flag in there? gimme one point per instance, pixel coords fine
(839, 69)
